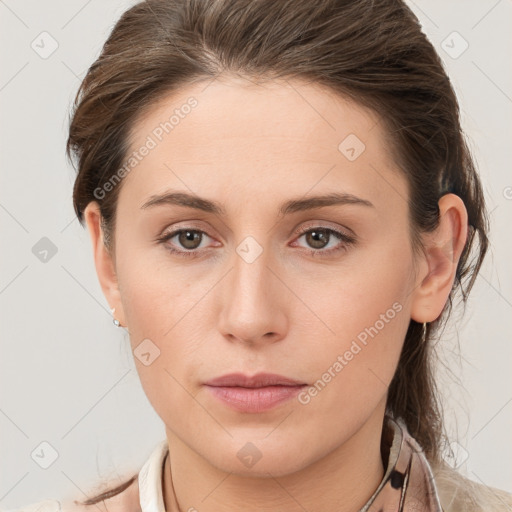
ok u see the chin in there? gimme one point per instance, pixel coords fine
(262, 460)
(264, 469)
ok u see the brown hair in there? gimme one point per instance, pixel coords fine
(372, 52)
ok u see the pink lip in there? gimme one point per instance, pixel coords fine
(254, 394)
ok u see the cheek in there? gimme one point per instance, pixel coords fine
(155, 294)
(168, 312)
(354, 295)
(368, 310)
(163, 333)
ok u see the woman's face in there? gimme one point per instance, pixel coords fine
(262, 284)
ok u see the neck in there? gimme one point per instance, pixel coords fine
(343, 480)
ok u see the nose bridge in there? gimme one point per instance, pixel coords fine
(250, 305)
(250, 272)
(250, 276)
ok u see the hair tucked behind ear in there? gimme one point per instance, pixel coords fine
(372, 52)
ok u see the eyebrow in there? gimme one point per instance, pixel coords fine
(292, 206)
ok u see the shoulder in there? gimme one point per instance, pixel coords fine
(125, 501)
(40, 506)
(459, 494)
(113, 496)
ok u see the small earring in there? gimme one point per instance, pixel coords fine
(116, 322)
(424, 336)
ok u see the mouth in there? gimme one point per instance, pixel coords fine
(255, 394)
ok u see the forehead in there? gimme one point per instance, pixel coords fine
(232, 134)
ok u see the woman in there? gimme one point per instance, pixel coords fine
(282, 207)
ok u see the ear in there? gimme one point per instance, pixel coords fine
(442, 250)
(104, 261)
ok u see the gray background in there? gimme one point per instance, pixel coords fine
(66, 373)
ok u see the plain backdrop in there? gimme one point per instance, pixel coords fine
(67, 376)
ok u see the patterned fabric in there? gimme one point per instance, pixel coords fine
(408, 483)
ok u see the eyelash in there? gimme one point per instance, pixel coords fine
(344, 237)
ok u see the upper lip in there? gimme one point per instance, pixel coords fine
(259, 380)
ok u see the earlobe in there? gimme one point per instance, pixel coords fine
(103, 260)
(442, 251)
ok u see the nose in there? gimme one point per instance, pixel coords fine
(253, 301)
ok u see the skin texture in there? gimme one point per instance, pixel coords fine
(253, 147)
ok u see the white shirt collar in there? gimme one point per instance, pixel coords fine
(150, 480)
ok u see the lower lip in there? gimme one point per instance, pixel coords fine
(255, 399)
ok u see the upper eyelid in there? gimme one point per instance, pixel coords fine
(303, 228)
(315, 223)
(321, 224)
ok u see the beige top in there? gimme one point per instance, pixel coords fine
(408, 485)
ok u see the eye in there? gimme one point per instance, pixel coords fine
(189, 239)
(318, 238)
